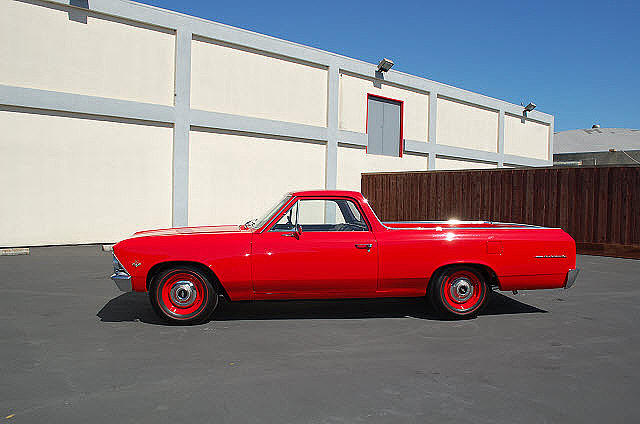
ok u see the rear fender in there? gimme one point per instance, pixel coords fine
(487, 271)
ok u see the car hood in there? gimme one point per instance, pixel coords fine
(194, 230)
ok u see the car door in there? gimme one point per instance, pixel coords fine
(333, 253)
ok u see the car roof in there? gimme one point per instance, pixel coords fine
(314, 193)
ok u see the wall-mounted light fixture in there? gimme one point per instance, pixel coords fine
(528, 108)
(384, 65)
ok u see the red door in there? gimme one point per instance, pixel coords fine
(315, 264)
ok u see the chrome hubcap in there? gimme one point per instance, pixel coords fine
(183, 293)
(461, 290)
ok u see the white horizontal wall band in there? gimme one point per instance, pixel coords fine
(413, 146)
(89, 105)
(229, 122)
(133, 11)
(433, 150)
(519, 160)
(461, 152)
(353, 138)
(99, 106)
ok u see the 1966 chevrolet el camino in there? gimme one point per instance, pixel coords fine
(330, 244)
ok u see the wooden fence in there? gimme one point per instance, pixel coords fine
(598, 206)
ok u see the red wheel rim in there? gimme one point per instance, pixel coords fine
(462, 292)
(182, 294)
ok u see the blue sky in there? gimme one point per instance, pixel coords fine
(578, 60)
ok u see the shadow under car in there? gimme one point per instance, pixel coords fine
(137, 307)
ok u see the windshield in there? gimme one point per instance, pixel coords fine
(259, 222)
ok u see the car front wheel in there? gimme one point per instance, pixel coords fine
(459, 292)
(183, 295)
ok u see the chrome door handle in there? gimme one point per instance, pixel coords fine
(367, 246)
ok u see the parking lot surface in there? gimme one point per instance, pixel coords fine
(76, 350)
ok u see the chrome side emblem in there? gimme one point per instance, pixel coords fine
(136, 263)
(550, 256)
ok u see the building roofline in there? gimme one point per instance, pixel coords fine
(157, 16)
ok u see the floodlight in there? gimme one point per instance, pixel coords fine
(529, 107)
(384, 65)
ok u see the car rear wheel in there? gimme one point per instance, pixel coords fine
(459, 292)
(183, 295)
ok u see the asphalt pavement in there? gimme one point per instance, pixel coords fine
(75, 350)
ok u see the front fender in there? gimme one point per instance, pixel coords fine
(227, 255)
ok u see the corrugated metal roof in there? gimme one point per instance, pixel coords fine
(596, 140)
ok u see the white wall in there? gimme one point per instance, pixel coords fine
(233, 178)
(352, 162)
(64, 172)
(450, 164)
(525, 137)
(42, 48)
(462, 125)
(353, 106)
(69, 180)
(230, 80)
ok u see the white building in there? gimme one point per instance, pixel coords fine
(126, 116)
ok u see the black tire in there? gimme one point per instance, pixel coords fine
(458, 292)
(183, 295)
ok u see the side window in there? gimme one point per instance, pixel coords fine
(355, 212)
(319, 215)
(322, 215)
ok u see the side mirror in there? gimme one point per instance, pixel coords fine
(296, 232)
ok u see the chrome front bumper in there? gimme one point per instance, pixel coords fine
(120, 276)
(571, 277)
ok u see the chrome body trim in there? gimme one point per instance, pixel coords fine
(120, 276)
(571, 277)
(452, 224)
(440, 222)
(512, 227)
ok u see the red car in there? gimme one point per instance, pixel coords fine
(330, 244)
